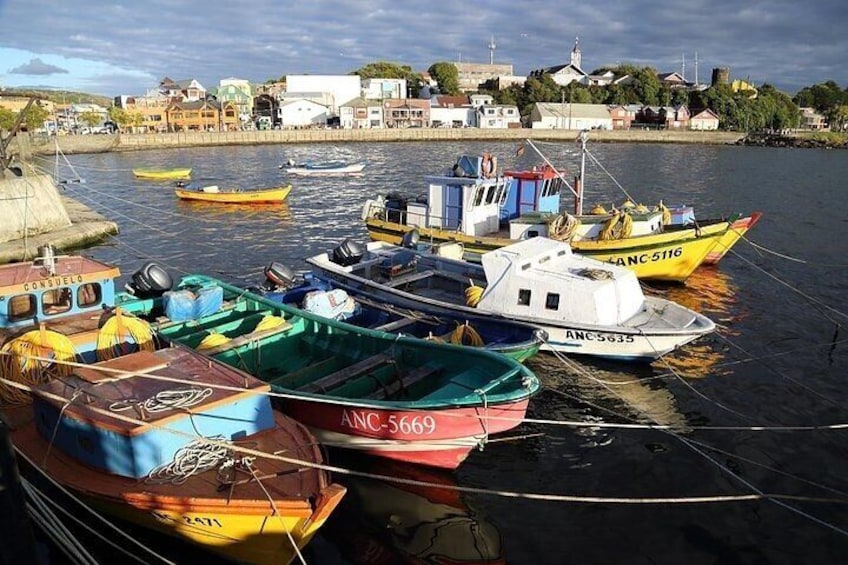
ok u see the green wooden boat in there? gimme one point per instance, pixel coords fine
(393, 396)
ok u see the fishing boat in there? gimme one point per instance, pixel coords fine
(162, 174)
(513, 339)
(473, 205)
(587, 307)
(329, 168)
(388, 395)
(214, 193)
(108, 413)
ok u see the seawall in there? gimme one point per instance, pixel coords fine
(133, 142)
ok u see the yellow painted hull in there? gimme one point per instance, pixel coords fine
(729, 239)
(669, 256)
(162, 174)
(236, 197)
(242, 536)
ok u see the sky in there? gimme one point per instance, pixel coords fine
(119, 47)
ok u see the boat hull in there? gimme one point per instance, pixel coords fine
(348, 169)
(243, 197)
(435, 438)
(737, 230)
(247, 529)
(163, 174)
(669, 256)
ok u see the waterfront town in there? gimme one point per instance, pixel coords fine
(352, 102)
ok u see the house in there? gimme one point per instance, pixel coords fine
(339, 88)
(301, 113)
(452, 112)
(497, 116)
(605, 78)
(188, 89)
(556, 115)
(810, 119)
(408, 113)
(706, 120)
(240, 93)
(564, 75)
(622, 116)
(202, 115)
(380, 88)
(672, 80)
(471, 75)
(361, 114)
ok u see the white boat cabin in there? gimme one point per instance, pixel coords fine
(541, 278)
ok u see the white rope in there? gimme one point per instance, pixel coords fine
(162, 401)
(198, 456)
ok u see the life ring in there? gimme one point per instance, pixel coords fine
(487, 165)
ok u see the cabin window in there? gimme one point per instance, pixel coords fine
(56, 301)
(490, 194)
(552, 301)
(21, 307)
(524, 297)
(478, 195)
(88, 294)
(502, 196)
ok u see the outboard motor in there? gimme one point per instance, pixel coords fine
(278, 277)
(348, 253)
(396, 207)
(410, 239)
(150, 281)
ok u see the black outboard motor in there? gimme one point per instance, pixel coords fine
(396, 207)
(150, 281)
(348, 253)
(410, 239)
(278, 277)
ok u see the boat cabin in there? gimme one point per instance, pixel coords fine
(541, 278)
(472, 199)
(53, 287)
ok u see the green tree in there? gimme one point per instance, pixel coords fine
(386, 69)
(446, 76)
(7, 118)
(90, 119)
(648, 86)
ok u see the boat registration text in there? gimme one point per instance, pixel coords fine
(599, 337)
(367, 421)
(644, 258)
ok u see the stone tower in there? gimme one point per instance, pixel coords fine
(576, 58)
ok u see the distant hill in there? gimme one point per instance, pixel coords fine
(60, 96)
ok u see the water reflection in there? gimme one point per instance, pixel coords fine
(387, 522)
(279, 211)
(636, 392)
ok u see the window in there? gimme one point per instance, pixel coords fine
(56, 301)
(88, 295)
(21, 307)
(524, 297)
(478, 195)
(552, 301)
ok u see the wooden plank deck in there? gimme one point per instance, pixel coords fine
(338, 377)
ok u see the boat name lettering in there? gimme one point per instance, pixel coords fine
(592, 336)
(190, 520)
(633, 260)
(392, 423)
(52, 282)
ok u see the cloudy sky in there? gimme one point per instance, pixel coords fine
(121, 47)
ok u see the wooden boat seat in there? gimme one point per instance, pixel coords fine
(403, 383)
(124, 367)
(246, 338)
(338, 377)
(397, 325)
(409, 278)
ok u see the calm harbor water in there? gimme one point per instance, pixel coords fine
(779, 359)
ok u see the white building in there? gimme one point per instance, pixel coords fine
(452, 112)
(380, 88)
(564, 75)
(361, 114)
(707, 120)
(302, 113)
(496, 116)
(341, 87)
(556, 115)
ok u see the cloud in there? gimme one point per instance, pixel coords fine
(37, 67)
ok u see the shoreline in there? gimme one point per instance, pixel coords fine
(71, 144)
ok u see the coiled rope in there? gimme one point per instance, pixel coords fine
(113, 338)
(465, 334)
(164, 400)
(198, 456)
(563, 227)
(473, 294)
(36, 357)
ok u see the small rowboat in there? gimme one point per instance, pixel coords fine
(331, 168)
(162, 174)
(214, 193)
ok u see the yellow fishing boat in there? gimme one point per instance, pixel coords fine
(473, 205)
(162, 174)
(214, 193)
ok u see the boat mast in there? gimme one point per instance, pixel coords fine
(578, 182)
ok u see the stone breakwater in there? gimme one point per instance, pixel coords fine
(135, 142)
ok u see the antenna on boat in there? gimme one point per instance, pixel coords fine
(48, 258)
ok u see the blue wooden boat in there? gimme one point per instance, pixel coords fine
(76, 389)
(513, 339)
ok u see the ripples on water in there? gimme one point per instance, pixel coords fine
(777, 359)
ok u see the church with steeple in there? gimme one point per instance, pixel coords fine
(567, 73)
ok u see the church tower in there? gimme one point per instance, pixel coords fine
(575, 54)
